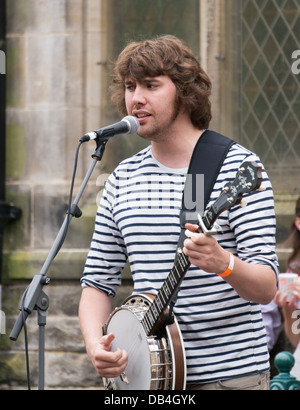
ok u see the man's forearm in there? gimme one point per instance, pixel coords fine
(94, 309)
(253, 282)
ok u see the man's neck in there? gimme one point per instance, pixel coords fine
(176, 152)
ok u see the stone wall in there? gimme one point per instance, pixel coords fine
(66, 363)
(53, 97)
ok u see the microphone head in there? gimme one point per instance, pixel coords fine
(133, 124)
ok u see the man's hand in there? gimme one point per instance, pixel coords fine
(107, 363)
(205, 252)
(252, 281)
(94, 309)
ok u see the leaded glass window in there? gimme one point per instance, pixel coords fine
(270, 92)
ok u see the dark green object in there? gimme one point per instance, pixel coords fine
(284, 362)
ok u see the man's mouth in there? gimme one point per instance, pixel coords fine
(141, 115)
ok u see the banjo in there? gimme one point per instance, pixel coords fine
(145, 327)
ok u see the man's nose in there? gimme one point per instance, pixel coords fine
(139, 96)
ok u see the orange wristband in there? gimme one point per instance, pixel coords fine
(229, 269)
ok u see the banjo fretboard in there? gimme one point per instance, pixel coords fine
(166, 293)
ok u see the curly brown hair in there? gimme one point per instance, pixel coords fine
(165, 55)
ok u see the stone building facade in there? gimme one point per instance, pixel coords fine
(59, 56)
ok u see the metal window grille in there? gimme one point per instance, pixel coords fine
(270, 92)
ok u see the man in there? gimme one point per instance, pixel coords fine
(162, 84)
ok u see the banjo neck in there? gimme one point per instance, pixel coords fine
(156, 315)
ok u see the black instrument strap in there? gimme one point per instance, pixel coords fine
(207, 159)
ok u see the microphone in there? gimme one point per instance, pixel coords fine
(128, 125)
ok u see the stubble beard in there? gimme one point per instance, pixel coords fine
(159, 132)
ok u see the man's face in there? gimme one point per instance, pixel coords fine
(152, 102)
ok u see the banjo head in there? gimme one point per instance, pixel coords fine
(131, 336)
(151, 360)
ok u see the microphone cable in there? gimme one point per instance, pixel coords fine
(26, 340)
(69, 210)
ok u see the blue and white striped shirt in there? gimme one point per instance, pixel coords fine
(138, 220)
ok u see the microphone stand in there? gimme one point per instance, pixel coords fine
(34, 297)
